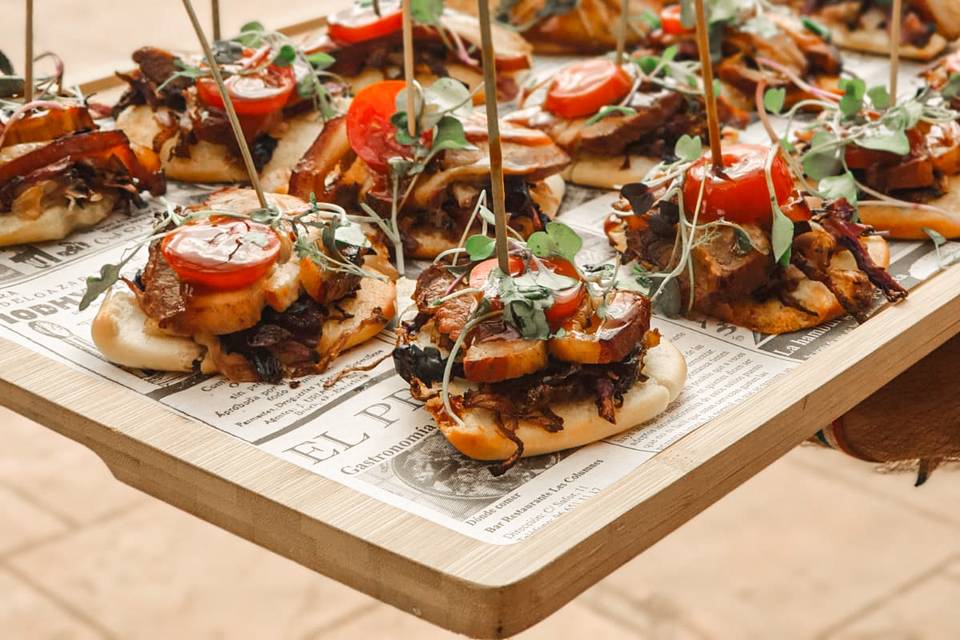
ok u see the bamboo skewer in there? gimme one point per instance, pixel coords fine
(28, 56)
(622, 30)
(408, 67)
(215, 12)
(228, 105)
(713, 119)
(493, 129)
(896, 19)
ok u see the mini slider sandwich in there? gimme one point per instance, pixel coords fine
(429, 184)
(254, 294)
(618, 122)
(901, 160)
(60, 172)
(747, 245)
(548, 357)
(564, 27)
(368, 47)
(750, 38)
(927, 26)
(281, 94)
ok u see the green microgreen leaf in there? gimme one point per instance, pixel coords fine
(773, 99)
(815, 27)
(480, 247)
(609, 110)
(841, 186)
(320, 60)
(688, 148)
(879, 97)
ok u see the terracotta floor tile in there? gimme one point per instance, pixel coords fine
(786, 555)
(22, 523)
(156, 572)
(62, 475)
(26, 614)
(941, 489)
(928, 610)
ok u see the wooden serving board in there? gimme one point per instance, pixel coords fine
(450, 579)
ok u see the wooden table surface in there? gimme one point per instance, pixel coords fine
(454, 581)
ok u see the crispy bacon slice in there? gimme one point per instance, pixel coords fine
(96, 147)
(47, 124)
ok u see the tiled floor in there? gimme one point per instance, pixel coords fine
(816, 546)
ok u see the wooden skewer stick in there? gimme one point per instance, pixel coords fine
(622, 30)
(713, 119)
(408, 68)
(228, 105)
(493, 130)
(896, 18)
(28, 57)
(215, 11)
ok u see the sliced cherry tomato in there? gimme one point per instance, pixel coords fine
(371, 134)
(671, 21)
(359, 24)
(565, 303)
(221, 252)
(740, 193)
(580, 89)
(254, 94)
(480, 271)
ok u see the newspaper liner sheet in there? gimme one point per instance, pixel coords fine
(366, 431)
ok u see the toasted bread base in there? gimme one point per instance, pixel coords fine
(877, 41)
(123, 333)
(210, 162)
(772, 316)
(666, 372)
(909, 224)
(608, 172)
(56, 222)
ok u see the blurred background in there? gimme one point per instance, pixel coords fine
(816, 546)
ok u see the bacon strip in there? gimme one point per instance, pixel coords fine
(98, 146)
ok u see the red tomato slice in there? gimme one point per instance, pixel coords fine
(371, 134)
(481, 270)
(740, 194)
(359, 24)
(670, 20)
(581, 88)
(565, 302)
(256, 94)
(221, 252)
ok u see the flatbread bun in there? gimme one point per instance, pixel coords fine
(666, 372)
(210, 162)
(55, 222)
(772, 316)
(125, 336)
(877, 41)
(909, 224)
(606, 172)
(431, 242)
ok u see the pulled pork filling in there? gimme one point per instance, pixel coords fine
(284, 341)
